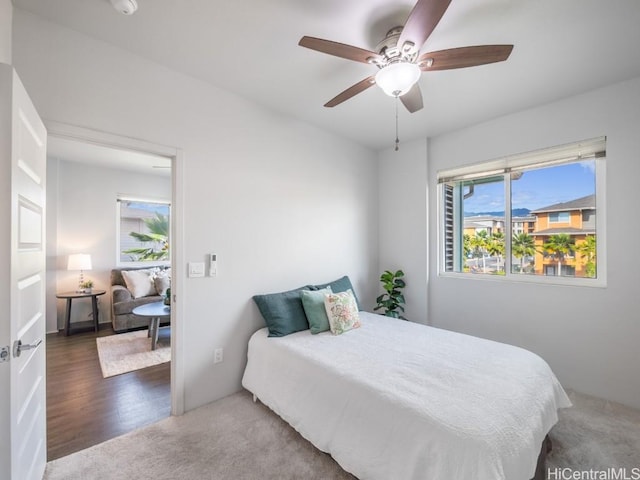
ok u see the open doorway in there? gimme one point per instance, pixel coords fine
(100, 185)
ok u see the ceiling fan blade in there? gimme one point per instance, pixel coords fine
(340, 50)
(464, 57)
(412, 100)
(422, 21)
(352, 91)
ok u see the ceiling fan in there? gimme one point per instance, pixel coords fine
(398, 56)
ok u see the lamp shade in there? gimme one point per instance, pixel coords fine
(398, 78)
(79, 261)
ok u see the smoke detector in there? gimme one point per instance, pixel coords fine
(126, 7)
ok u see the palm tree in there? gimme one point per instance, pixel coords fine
(522, 245)
(495, 247)
(466, 245)
(467, 251)
(587, 250)
(558, 246)
(480, 242)
(158, 237)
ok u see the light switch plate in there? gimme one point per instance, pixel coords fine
(196, 269)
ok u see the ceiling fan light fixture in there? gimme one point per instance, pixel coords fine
(125, 7)
(397, 79)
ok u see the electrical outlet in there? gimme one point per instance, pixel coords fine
(218, 355)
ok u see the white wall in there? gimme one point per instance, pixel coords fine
(402, 188)
(281, 203)
(6, 20)
(82, 219)
(589, 336)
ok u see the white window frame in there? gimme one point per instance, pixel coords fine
(588, 149)
(129, 198)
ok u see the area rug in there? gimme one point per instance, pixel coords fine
(126, 352)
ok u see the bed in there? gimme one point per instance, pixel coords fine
(400, 400)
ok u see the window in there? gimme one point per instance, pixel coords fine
(532, 217)
(559, 217)
(143, 231)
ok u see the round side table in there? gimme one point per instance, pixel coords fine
(93, 294)
(155, 312)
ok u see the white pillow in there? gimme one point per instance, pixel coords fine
(342, 310)
(139, 282)
(162, 281)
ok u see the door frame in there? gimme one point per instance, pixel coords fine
(97, 137)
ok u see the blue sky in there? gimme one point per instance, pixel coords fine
(537, 188)
(153, 207)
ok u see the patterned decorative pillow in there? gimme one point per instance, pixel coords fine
(162, 281)
(161, 284)
(342, 311)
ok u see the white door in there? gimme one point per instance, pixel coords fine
(23, 451)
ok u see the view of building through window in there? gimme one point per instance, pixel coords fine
(552, 215)
(144, 231)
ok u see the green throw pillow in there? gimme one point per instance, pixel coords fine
(340, 285)
(282, 312)
(313, 303)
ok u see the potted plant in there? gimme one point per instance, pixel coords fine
(393, 300)
(86, 286)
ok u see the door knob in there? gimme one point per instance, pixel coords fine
(18, 347)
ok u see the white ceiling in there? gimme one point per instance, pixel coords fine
(562, 47)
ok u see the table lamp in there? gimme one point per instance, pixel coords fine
(79, 261)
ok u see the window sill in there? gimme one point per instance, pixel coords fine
(530, 279)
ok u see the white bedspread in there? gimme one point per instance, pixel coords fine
(395, 400)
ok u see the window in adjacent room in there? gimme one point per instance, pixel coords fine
(535, 216)
(559, 217)
(143, 231)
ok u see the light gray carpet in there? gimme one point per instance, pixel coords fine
(237, 439)
(596, 434)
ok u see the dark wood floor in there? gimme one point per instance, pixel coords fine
(83, 408)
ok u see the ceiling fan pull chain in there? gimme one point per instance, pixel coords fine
(397, 140)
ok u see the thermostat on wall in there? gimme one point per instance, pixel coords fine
(213, 264)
